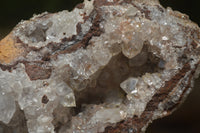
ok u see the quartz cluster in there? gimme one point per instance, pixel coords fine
(107, 66)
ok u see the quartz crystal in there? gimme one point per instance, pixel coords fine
(129, 85)
(107, 66)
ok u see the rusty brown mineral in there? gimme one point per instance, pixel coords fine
(108, 66)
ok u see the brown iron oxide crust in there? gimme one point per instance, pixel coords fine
(126, 126)
(34, 71)
(39, 71)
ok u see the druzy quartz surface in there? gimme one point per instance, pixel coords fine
(107, 66)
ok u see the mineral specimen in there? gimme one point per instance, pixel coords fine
(107, 66)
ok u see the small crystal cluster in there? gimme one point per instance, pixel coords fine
(107, 66)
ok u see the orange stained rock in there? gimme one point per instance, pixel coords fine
(9, 50)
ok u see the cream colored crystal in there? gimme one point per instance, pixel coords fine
(100, 64)
(129, 85)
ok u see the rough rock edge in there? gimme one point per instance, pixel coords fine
(23, 49)
(140, 123)
(123, 126)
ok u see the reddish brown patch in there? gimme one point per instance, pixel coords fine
(99, 3)
(194, 44)
(37, 72)
(78, 28)
(80, 6)
(84, 16)
(6, 67)
(95, 30)
(70, 49)
(45, 99)
(146, 12)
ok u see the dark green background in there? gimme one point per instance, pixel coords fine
(184, 120)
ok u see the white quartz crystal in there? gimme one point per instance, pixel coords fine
(107, 115)
(129, 85)
(107, 63)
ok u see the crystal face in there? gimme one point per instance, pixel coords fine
(129, 86)
(107, 66)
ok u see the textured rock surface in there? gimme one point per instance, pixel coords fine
(108, 66)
